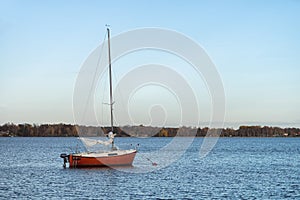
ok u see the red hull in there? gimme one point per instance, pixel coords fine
(77, 161)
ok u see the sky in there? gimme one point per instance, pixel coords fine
(254, 45)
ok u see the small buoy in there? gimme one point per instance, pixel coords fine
(153, 163)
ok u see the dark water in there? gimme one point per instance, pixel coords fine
(237, 168)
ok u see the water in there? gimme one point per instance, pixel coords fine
(237, 168)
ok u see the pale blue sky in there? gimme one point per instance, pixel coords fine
(255, 46)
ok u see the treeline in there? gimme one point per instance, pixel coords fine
(243, 131)
(55, 130)
(68, 130)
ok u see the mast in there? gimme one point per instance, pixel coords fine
(110, 86)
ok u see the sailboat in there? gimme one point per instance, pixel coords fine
(110, 158)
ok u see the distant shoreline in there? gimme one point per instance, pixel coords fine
(68, 130)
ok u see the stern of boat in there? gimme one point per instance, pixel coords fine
(66, 159)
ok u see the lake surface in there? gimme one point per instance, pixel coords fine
(237, 168)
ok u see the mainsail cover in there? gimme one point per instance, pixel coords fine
(92, 142)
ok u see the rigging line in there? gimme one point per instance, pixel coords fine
(94, 78)
(103, 98)
(119, 91)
